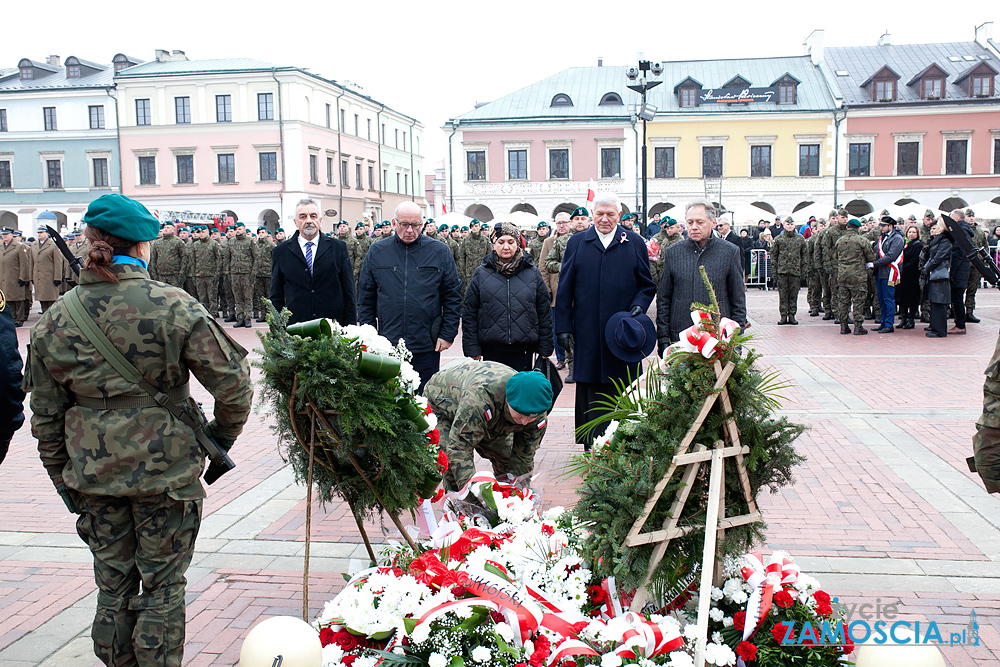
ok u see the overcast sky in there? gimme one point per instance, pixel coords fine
(435, 60)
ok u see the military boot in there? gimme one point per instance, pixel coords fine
(859, 330)
(569, 373)
(845, 328)
(230, 317)
(783, 320)
(813, 313)
(969, 317)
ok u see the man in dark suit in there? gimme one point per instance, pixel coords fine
(311, 273)
(605, 270)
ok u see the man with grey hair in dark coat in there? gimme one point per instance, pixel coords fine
(681, 283)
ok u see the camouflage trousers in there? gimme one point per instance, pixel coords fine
(871, 303)
(461, 461)
(834, 296)
(972, 288)
(261, 290)
(171, 279)
(242, 295)
(788, 294)
(207, 288)
(142, 548)
(814, 290)
(827, 298)
(226, 298)
(852, 298)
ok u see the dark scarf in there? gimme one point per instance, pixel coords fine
(507, 268)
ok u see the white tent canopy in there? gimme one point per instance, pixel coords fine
(819, 209)
(986, 210)
(742, 214)
(522, 219)
(453, 219)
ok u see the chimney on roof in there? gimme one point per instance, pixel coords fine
(984, 33)
(53, 60)
(814, 46)
(885, 39)
(164, 56)
(178, 55)
(600, 61)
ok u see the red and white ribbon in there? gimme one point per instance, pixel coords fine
(704, 337)
(765, 578)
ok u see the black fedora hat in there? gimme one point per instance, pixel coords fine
(630, 338)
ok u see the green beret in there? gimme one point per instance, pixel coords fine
(262, 229)
(359, 225)
(580, 210)
(441, 228)
(430, 219)
(455, 228)
(241, 224)
(465, 228)
(122, 217)
(228, 227)
(386, 223)
(854, 222)
(628, 216)
(529, 392)
(475, 221)
(542, 224)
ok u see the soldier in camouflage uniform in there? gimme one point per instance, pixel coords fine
(241, 255)
(924, 229)
(814, 284)
(206, 263)
(479, 406)
(474, 247)
(871, 231)
(228, 302)
(853, 255)
(975, 278)
(186, 235)
(123, 463)
(986, 442)
(535, 246)
(455, 242)
(362, 243)
(789, 259)
(262, 272)
(166, 261)
(669, 234)
(837, 228)
(819, 261)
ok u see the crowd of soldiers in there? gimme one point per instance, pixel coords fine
(34, 269)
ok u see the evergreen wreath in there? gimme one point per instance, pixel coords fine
(646, 425)
(367, 424)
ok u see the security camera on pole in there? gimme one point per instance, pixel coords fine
(646, 112)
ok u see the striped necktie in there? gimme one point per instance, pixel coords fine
(309, 256)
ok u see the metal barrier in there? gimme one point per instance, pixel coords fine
(760, 268)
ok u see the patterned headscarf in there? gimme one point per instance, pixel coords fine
(504, 229)
(511, 266)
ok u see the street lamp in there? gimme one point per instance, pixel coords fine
(646, 112)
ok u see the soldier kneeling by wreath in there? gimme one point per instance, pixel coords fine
(479, 406)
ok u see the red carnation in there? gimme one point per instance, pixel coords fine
(428, 410)
(848, 642)
(458, 591)
(783, 599)
(824, 609)
(778, 632)
(739, 618)
(496, 616)
(579, 627)
(547, 529)
(438, 496)
(326, 637)
(597, 595)
(822, 597)
(442, 461)
(435, 436)
(746, 650)
(542, 649)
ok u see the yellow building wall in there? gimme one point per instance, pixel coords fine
(736, 153)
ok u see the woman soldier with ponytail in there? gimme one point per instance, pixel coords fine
(126, 465)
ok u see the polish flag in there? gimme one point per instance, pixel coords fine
(591, 193)
(444, 209)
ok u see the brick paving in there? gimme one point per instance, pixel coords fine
(884, 506)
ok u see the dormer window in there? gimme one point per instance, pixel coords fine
(982, 86)
(120, 66)
(72, 71)
(561, 100)
(932, 89)
(978, 80)
(688, 97)
(883, 84)
(611, 99)
(786, 93)
(27, 73)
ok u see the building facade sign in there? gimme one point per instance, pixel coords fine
(735, 95)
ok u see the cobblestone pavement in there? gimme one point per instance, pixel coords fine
(883, 510)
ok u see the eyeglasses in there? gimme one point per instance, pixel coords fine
(411, 225)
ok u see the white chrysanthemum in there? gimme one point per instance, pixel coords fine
(437, 660)
(740, 597)
(504, 631)
(481, 654)
(727, 622)
(717, 637)
(421, 633)
(332, 655)
(463, 612)
(719, 654)
(611, 660)
(365, 662)
(716, 614)
(731, 586)
(680, 659)
(716, 593)
(553, 513)
(691, 631)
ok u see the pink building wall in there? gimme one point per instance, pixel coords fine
(932, 151)
(205, 163)
(584, 151)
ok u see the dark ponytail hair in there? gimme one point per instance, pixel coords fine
(103, 247)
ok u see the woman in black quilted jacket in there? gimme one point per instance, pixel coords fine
(507, 316)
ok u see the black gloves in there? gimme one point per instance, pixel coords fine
(635, 311)
(566, 341)
(67, 498)
(57, 283)
(22, 283)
